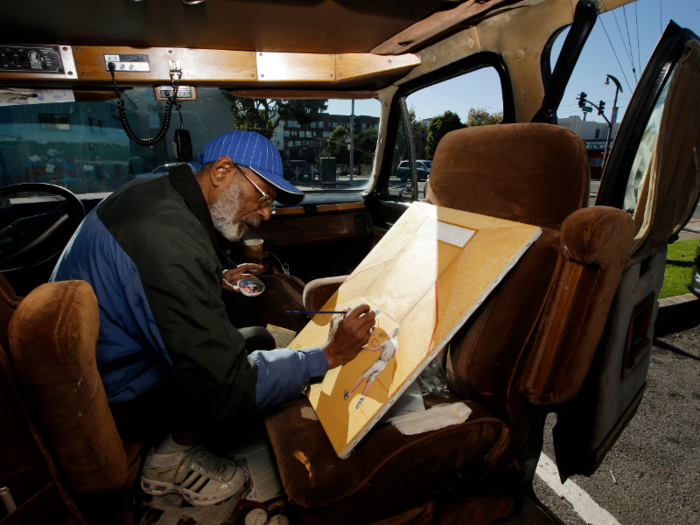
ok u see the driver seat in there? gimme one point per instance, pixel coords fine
(67, 462)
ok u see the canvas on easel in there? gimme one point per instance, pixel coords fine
(425, 278)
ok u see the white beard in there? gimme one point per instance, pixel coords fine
(224, 212)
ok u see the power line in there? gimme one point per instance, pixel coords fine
(627, 52)
(629, 41)
(661, 16)
(636, 23)
(615, 53)
(457, 96)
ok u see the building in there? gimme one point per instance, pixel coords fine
(594, 135)
(587, 130)
(278, 136)
(308, 142)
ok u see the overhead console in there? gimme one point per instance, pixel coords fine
(42, 61)
(87, 66)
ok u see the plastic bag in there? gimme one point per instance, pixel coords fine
(433, 379)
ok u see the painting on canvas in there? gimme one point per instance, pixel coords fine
(426, 276)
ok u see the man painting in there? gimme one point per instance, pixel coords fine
(169, 358)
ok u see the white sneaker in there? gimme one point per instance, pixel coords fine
(202, 478)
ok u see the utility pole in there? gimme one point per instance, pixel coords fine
(352, 140)
(611, 122)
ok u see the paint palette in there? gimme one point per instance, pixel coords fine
(250, 286)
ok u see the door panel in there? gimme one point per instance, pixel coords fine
(589, 425)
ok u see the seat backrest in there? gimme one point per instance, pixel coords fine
(522, 345)
(52, 338)
(530, 173)
(8, 304)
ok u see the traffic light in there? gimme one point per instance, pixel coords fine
(582, 99)
(601, 107)
(357, 126)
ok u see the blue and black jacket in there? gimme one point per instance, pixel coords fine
(149, 251)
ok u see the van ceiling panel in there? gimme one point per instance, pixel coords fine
(302, 26)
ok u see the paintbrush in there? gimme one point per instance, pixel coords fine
(312, 312)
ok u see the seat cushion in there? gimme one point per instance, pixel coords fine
(404, 467)
(52, 346)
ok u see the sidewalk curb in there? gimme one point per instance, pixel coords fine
(677, 314)
(678, 300)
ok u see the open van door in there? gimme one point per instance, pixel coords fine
(653, 173)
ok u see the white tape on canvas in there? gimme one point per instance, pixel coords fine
(449, 233)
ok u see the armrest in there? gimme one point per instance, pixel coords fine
(595, 244)
(318, 291)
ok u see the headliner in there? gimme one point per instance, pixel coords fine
(302, 26)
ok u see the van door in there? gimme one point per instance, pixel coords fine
(653, 174)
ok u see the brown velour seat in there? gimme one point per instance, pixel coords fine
(529, 344)
(68, 463)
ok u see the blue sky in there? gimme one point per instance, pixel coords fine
(482, 88)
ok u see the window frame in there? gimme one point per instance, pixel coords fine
(398, 110)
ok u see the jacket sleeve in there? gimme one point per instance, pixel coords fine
(284, 373)
(181, 278)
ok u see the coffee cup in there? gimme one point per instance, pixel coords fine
(253, 252)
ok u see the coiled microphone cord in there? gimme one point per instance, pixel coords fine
(121, 111)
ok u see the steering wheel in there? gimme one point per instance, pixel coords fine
(31, 241)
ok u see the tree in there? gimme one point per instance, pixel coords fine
(415, 121)
(439, 127)
(263, 115)
(337, 146)
(366, 145)
(481, 117)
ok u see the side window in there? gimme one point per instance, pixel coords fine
(400, 175)
(471, 99)
(644, 155)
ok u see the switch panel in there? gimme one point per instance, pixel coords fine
(31, 59)
(128, 63)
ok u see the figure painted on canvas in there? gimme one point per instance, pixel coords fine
(388, 351)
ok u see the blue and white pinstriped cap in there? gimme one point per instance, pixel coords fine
(247, 148)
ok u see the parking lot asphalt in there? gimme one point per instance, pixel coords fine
(652, 474)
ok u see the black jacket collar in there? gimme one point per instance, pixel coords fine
(185, 183)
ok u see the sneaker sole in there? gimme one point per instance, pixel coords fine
(201, 500)
(158, 488)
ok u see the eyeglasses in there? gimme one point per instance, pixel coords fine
(266, 199)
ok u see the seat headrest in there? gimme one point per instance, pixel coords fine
(530, 173)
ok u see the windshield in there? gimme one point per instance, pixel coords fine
(327, 144)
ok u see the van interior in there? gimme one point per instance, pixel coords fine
(330, 82)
